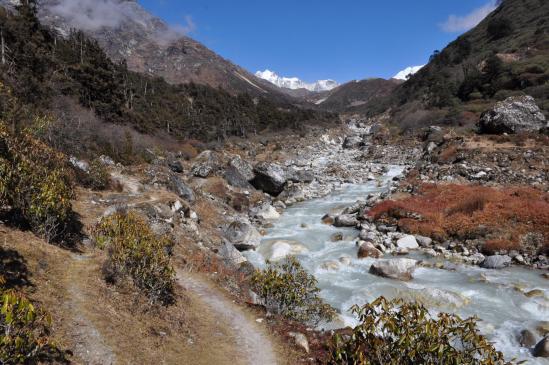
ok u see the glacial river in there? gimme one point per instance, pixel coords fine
(495, 296)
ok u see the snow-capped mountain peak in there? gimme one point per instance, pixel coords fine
(295, 83)
(407, 72)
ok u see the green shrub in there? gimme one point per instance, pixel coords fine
(134, 251)
(97, 177)
(25, 332)
(287, 289)
(398, 333)
(35, 182)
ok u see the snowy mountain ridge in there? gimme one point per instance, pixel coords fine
(295, 83)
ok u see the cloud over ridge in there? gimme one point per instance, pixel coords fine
(462, 23)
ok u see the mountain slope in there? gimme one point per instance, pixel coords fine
(357, 95)
(506, 54)
(128, 32)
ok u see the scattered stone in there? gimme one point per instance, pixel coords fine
(345, 260)
(338, 236)
(270, 178)
(527, 338)
(243, 167)
(236, 179)
(180, 188)
(496, 262)
(80, 164)
(346, 220)
(535, 293)
(424, 241)
(242, 235)
(300, 176)
(230, 254)
(202, 170)
(265, 212)
(513, 115)
(328, 219)
(300, 340)
(367, 249)
(353, 142)
(175, 166)
(398, 269)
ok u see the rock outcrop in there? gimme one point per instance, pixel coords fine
(513, 115)
(270, 178)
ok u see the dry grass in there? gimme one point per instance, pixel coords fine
(502, 216)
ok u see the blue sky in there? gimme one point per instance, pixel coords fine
(342, 40)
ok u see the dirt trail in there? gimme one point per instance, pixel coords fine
(90, 346)
(252, 341)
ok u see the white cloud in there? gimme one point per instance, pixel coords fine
(457, 23)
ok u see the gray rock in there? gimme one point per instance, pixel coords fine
(513, 115)
(230, 254)
(202, 170)
(367, 236)
(236, 179)
(242, 235)
(79, 164)
(300, 176)
(353, 142)
(180, 188)
(346, 220)
(367, 249)
(424, 241)
(175, 166)
(243, 167)
(398, 269)
(270, 178)
(542, 348)
(496, 262)
(407, 242)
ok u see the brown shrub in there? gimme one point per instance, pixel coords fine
(188, 151)
(449, 154)
(465, 211)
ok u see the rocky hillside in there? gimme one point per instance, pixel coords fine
(505, 55)
(356, 96)
(128, 32)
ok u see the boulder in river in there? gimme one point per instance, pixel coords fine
(367, 249)
(279, 249)
(265, 212)
(242, 235)
(542, 348)
(270, 178)
(398, 269)
(424, 241)
(346, 220)
(496, 262)
(513, 115)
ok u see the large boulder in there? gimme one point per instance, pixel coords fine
(230, 254)
(180, 188)
(270, 178)
(300, 176)
(242, 235)
(243, 167)
(513, 115)
(236, 179)
(279, 249)
(398, 269)
(367, 249)
(408, 242)
(542, 348)
(496, 262)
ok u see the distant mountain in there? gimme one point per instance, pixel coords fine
(128, 32)
(356, 95)
(407, 72)
(294, 83)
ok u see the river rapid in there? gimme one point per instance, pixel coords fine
(495, 296)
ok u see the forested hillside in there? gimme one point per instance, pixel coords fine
(72, 76)
(506, 54)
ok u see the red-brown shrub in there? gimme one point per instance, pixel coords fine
(466, 211)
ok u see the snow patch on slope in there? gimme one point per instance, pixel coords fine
(295, 83)
(407, 72)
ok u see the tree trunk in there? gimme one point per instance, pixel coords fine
(3, 47)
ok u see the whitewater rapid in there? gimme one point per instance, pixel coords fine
(495, 296)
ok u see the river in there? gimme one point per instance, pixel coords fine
(495, 296)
